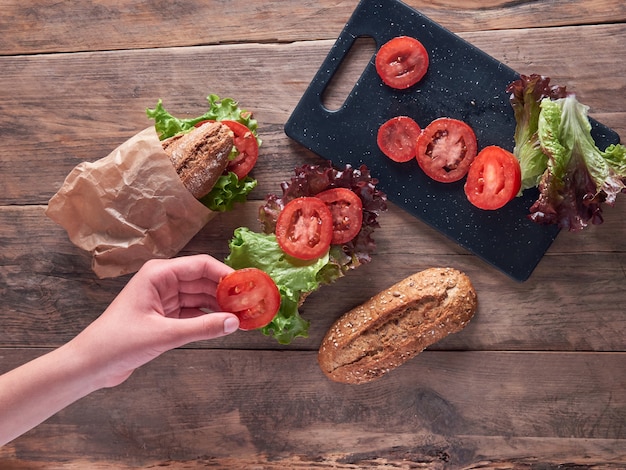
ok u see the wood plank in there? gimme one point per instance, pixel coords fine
(521, 50)
(130, 24)
(46, 128)
(537, 379)
(49, 293)
(440, 410)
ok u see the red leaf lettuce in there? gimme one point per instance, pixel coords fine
(557, 153)
(579, 177)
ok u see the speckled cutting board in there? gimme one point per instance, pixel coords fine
(462, 82)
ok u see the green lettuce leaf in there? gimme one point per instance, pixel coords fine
(227, 191)
(526, 96)
(167, 125)
(579, 177)
(295, 278)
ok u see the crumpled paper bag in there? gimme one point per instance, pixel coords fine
(128, 207)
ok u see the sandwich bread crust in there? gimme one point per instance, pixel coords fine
(396, 325)
(200, 156)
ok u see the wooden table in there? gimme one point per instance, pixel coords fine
(538, 378)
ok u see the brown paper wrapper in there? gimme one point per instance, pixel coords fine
(128, 207)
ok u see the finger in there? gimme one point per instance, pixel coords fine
(191, 268)
(202, 327)
(169, 274)
(173, 306)
(197, 301)
(198, 286)
(190, 274)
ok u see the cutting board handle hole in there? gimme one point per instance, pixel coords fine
(352, 66)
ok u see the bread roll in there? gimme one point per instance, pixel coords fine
(200, 156)
(396, 325)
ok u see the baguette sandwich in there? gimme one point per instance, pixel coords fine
(129, 206)
(214, 153)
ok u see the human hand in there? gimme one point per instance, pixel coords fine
(158, 310)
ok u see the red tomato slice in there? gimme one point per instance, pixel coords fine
(347, 212)
(402, 62)
(397, 138)
(493, 179)
(304, 228)
(247, 147)
(251, 294)
(445, 149)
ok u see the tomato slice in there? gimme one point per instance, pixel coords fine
(251, 294)
(397, 138)
(247, 148)
(304, 228)
(347, 212)
(445, 149)
(402, 62)
(493, 179)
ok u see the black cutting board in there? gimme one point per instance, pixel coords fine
(462, 82)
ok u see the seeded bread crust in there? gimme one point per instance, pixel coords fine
(396, 325)
(200, 156)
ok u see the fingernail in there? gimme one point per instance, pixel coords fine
(230, 325)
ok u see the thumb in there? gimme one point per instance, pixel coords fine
(201, 327)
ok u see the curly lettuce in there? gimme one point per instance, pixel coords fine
(579, 177)
(310, 180)
(229, 189)
(167, 125)
(295, 278)
(558, 155)
(526, 96)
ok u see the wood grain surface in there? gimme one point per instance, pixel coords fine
(536, 381)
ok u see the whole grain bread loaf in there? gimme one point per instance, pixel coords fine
(200, 156)
(396, 325)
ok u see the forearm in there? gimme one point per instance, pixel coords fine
(37, 390)
(158, 310)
